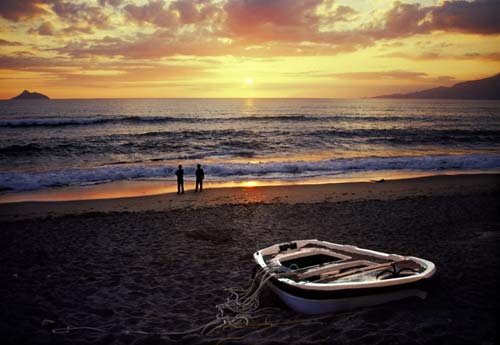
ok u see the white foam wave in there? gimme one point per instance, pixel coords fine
(21, 181)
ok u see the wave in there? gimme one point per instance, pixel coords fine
(248, 142)
(22, 181)
(23, 149)
(97, 120)
(69, 121)
(37, 149)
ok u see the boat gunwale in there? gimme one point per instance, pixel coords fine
(399, 282)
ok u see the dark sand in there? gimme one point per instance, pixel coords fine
(166, 270)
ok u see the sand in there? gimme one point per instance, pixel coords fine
(334, 192)
(137, 264)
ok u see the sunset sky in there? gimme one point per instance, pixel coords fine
(243, 48)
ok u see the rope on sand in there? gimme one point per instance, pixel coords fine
(241, 303)
(68, 329)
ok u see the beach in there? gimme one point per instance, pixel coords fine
(160, 263)
(203, 171)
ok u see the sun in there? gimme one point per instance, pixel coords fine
(250, 183)
(248, 81)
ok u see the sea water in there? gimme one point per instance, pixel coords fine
(56, 143)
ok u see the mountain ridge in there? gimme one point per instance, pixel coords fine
(487, 88)
(29, 95)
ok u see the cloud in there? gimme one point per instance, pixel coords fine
(252, 14)
(490, 56)
(75, 13)
(286, 28)
(89, 73)
(495, 56)
(392, 75)
(343, 13)
(282, 21)
(257, 21)
(196, 11)
(78, 29)
(403, 20)
(113, 3)
(17, 10)
(80, 13)
(161, 43)
(249, 28)
(9, 43)
(378, 75)
(30, 62)
(138, 70)
(480, 16)
(476, 17)
(152, 12)
(173, 14)
(45, 29)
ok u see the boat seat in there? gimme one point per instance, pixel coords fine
(333, 268)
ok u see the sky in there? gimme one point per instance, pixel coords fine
(244, 48)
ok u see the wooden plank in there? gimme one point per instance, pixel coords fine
(357, 271)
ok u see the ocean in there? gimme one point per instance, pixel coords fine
(58, 143)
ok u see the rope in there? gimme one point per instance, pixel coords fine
(68, 329)
(244, 302)
(241, 303)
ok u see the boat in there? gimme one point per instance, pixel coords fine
(315, 277)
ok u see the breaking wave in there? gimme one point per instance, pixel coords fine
(22, 181)
(98, 120)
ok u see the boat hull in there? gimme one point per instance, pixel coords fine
(322, 306)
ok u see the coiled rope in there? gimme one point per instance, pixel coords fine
(236, 312)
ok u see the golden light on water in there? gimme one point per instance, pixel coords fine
(250, 184)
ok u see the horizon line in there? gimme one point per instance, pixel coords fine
(108, 98)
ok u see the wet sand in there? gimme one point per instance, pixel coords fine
(334, 192)
(141, 264)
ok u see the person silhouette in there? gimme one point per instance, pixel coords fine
(200, 175)
(180, 179)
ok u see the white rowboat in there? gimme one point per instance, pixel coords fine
(314, 277)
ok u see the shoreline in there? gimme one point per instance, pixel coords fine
(290, 194)
(157, 186)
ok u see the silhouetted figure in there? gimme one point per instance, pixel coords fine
(180, 180)
(200, 175)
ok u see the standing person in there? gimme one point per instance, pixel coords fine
(180, 179)
(200, 175)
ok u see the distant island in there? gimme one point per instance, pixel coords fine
(488, 88)
(30, 95)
